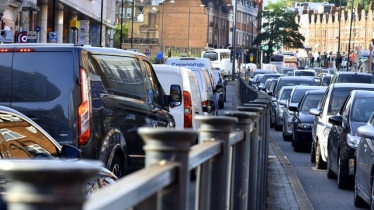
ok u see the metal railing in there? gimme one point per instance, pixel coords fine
(231, 162)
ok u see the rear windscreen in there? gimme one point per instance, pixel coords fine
(356, 78)
(41, 76)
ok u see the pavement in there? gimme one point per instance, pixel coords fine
(284, 189)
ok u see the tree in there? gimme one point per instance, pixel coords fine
(279, 29)
(117, 34)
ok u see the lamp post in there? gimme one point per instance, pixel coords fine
(220, 24)
(101, 22)
(339, 19)
(132, 22)
(162, 26)
(350, 34)
(234, 40)
(188, 32)
(121, 38)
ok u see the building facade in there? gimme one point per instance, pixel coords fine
(41, 17)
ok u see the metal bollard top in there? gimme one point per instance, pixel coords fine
(216, 123)
(243, 117)
(250, 109)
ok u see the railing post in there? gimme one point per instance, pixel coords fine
(163, 146)
(47, 184)
(241, 158)
(254, 197)
(265, 122)
(213, 176)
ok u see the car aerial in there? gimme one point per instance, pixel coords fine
(295, 98)
(94, 98)
(22, 138)
(352, 77)
(364, 166)
(261, 86)
(330, 105)
(277, 107)
(302, 120)
(342, 140)
(220, 92)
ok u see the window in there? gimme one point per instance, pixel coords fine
(153, 89)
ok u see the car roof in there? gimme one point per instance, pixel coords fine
(295, 78)
(358, 93)
(316, 91)
(287, 87)
(350, 73)
(351, 85)
(308, 87)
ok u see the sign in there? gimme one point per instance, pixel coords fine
(53, 37)
(31, 37)
(160, 55)
(82, 33)
(37, 28)
(147, 51)
(95, 35)
(6, 36)
(22, 37)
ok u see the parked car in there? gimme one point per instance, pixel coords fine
(352, 77)
(364, 166)
(22, 138)
(330, 105)
(191, 103)
(342, 140)
(91, 97)
(278, 106)
(295, 98)
(302, 120)
(220, 92)
(261, 86)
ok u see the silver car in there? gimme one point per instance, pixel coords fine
(277, 118)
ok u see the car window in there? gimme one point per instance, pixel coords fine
(283, 83)
(344, 112)
(297, 95)
(285, 94)
(362, 108)
(124, 75)
(356, 78)
(5, 74)
(36, 81)
(304, 73)
(337, 99)
(310, 102)
(153, 89)
(20, 139)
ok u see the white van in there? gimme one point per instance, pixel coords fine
(191, 105)
(226, 65)
(193, 63)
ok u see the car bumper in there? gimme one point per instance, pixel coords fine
(303, 137)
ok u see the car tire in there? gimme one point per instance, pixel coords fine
(342, 178)
(358, 201)
(116, 167)
(330, 174)
(312, 154)
(320, 164)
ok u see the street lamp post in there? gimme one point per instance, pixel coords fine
(234, 40)
(162, 26)
(339, 19)
(350, 35)
(132, 22)
(101, 22)
(121, 36)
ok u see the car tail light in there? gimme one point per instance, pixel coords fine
(24, 50)
(84, 128)
(187, 109)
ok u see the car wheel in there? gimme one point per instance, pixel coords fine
(342, 178)
(117, 167)
(358, 201)
(320, 164)
(312, 153)
(330, 173)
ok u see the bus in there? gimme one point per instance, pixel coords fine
(283, 61)
(216, 56)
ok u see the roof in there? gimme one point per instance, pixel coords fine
(350, 72)
(359, 93)
(351, 85)
(309, 87)
(298, 78)
(316, 91)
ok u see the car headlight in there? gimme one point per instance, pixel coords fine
(304, 125)
(353, 140)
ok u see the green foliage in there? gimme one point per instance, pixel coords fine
(117, 34)
(279, 29)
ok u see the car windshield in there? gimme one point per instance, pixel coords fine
(298, 94)
(285, 94)
(362, 109)
(310, 102)
(356, 78)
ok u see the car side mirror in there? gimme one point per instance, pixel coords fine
(366, 131)
(69, 152)
(175, 97)
(273, 99)
(315, 111)
(336, 120)
(283, 102)
(293, 108)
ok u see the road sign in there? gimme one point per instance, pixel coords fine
(37, 28)
(22, 37)
(160, 55)
(31, 37)
(6, 36)
(53, 37)
(147, 51)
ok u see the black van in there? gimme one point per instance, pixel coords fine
(90, 97)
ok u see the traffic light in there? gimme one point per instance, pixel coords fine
(231, 55)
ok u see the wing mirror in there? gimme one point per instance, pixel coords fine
(366, 131)
(336, 120)
(293, 108)
(175, 97)
(69, 152)
(315, 111)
